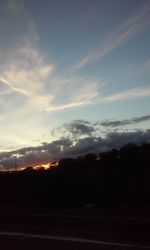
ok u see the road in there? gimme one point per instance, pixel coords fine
(53, 231)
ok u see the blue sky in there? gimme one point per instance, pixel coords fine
(70, 60)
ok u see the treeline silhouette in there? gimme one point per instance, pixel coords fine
(117, 177)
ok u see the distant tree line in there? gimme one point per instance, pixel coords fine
(117, 177)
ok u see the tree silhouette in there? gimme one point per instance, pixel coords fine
(115, 177)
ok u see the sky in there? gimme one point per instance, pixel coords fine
(74, 77)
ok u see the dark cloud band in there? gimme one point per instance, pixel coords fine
(65, 147)
(118, 123)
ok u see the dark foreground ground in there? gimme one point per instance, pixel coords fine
(74, 228)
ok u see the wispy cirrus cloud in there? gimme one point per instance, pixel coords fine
(79, 92)
(25, 71)
(133, 25)
(93, 99)
(63, 107)
(25, 68)
(134, 93)
(15, 6)
(24, 98)
(28, 73)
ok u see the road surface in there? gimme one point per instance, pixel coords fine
(42, 231)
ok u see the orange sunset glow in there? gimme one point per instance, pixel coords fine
(39, 166)
(46, 166)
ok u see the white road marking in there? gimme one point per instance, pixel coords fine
(72, 239)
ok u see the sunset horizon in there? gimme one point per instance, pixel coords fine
(74, 78)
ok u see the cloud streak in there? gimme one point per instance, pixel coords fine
(26, 70)
(15, 6)
(134, 93)
(26, 73)
(123, 33)
(129, 94)
(32, 88)
(80, 92)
